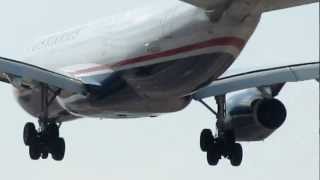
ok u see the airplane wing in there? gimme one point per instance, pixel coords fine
(260, 78)
(268, 5)
(26, 74)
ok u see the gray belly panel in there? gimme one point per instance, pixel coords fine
(153, 89)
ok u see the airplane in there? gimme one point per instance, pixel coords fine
(155, 60)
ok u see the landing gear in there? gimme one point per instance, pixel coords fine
(46, 140)
(222, 144)
(43, 142)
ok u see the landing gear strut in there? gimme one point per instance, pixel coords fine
(223, 144)
(45, 140)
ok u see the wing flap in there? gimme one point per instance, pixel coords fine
(264, 77)
(28, 72)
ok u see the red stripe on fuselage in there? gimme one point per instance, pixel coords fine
(222, 41)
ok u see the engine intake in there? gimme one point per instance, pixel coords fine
(254, 118)
(271, 113)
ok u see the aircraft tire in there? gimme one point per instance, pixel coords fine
(206, 138)
(53, 131)
(35, 151)
(236, 155)
(58, 149)
(44, 155)
(29, 133)
(213, 155)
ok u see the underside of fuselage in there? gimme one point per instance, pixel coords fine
(142, 91)
(153, 89)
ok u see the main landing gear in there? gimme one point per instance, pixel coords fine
(45, 140)
(223, 144)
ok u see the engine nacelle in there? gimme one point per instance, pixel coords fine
(253, 117)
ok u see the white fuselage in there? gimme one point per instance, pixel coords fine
(142, 38)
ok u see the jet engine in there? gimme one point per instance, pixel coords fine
(252, 116)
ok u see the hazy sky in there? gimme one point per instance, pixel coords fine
(167, 147)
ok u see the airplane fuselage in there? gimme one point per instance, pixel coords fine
(148, 61)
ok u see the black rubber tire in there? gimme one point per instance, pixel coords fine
(29, 134)
(44, 155)
(58, 149)
(206, 138)
(236, 155)
(229, 137)
(35, 151)
(53, 131)
(213, 155)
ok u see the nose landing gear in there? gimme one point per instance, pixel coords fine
(223, 144)
(46, 140)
